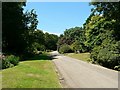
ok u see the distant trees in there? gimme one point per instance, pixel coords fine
(65, 48)
(74, 37)
(51, 41)
(35, 41)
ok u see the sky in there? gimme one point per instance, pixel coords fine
(56, 17)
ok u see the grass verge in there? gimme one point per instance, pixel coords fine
(80, 56)
(31, 74)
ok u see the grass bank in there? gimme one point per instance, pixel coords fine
(80, 56)
(35, 73)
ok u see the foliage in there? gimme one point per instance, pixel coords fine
(99, 35)
(10, 61)
(92, 31)
(65, 49)
(102, 34)
(21, 36)
(70, 35)
(19, 27)
(13, 27)
(35, 42)
(76, 46)
(111, 11)
(30, 20)
(107, 54)
(74, 37)
(51, 41)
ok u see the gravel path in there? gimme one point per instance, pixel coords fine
(79, 74)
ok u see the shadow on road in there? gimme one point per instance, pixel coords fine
(53, 56)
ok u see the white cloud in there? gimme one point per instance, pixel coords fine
(51, 32)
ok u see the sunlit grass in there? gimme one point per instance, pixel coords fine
(31, 74)
(80, 56)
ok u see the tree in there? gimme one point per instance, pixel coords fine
(51, 41)
(13, 27)
(94, 30)
(72, 37)
(102, 34)
(76, 46)
(111, 11)
(18, 27)
(65, 49)
(35, 42)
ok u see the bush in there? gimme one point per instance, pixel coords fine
(107, 56)
(65, 49)
(33, 49)
(5, 63)
(94, 54)
(76, 46)
(10, 61)
(13, 59)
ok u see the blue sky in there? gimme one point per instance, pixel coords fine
(55, 17)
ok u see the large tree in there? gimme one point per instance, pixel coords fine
(111, 11)
(12, 26)
(17, 27)
(102, 34)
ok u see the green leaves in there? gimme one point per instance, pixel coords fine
(31, 19)
(9, 61)
(74, 37)
(65, 49)
(102, 34)
(51, 41)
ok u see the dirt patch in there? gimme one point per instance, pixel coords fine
(33, 75)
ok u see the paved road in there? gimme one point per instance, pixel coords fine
(78, 74)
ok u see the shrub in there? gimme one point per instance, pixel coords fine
(65, 49)
(76, 46)
(13, 59)
(5, 63)
(94, 54)
(108, 56)
(10, 61)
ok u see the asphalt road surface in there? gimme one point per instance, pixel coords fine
(79, 74)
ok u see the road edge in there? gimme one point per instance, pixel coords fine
(60, 77)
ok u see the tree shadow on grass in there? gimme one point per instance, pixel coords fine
(40, 57)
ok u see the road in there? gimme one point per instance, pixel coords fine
(79, 74)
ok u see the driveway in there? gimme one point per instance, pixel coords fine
(79, 74)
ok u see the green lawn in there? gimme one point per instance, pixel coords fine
(80, 56)
(31, 74)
